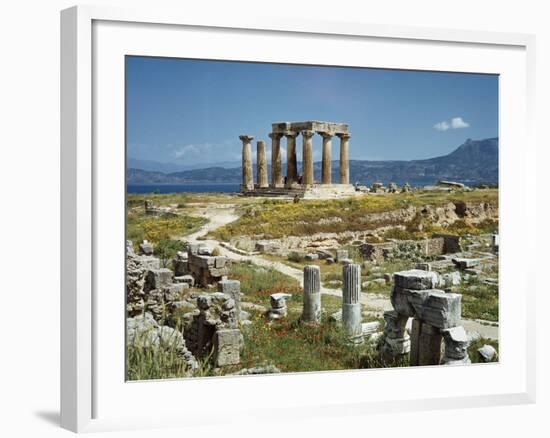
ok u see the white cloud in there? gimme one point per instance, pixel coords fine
(191, 150)
(442, 126)
(455, 123)
(458, 123)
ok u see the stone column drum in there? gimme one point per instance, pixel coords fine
(261, 165)
(291, 162)
(307, 158)
(276, 160)
(351, 307)
(248, 179)
(312, 294)
(326, 177)
(344, 158)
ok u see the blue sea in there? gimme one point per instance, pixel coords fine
(179, 188)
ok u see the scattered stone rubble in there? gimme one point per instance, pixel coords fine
(205, 267)
(161, 303)
(436, 316)
(144, 332)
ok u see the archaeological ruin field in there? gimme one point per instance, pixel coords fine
(229, 284)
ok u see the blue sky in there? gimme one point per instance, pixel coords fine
(190, 112)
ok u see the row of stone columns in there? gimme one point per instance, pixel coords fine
(277, 179)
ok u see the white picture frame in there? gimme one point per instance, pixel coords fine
(86, 177)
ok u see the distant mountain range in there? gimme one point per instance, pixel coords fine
(473, 162)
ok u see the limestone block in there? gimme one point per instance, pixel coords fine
(205, 250)
(401, 301)
(193, 248)
(311, 256)
(227, 347)
(487, 353)
(232, 288)
(424, 266)
(415, 279)
(463, 263)
(341, 254)
(158, 278)
(180, 266)
(145, 248)
(442, 309)
(149, 262)
(330, 260)
(219, 262)
(449, 279)
(185, 279)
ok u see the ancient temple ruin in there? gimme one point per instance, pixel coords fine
(296, 183)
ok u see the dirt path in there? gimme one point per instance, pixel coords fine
(377, 304)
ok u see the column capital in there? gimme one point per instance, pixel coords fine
(246, 138)
(307, 133)
(344, 136)
(275, 135)
(325, 135)
(290, 134)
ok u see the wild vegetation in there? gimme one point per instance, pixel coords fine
(156, 229)
(277, 218)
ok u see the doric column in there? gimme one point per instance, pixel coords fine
(307, 158)
(351, 307)
(291, 163)
(248, 179)
(261, 164)
(276, 160)
(344, 158)
(327, 160)
(312, 294)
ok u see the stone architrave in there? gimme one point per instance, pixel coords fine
(344, 158)
(351, 306)
(276, 160)
(326, 171)
(312, 294)
(307, 158)
(261, 165)
(291, 161)
(248, 179)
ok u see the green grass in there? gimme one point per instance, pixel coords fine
(479, 301)
(293, 347)
(279, 219)
(257, 283)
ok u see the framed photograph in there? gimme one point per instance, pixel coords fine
(312, 218)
